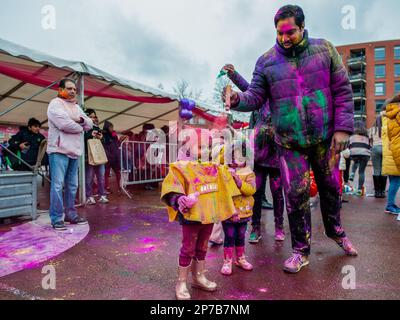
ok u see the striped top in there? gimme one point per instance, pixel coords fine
(359, 145)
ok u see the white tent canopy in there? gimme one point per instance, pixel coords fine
(125, 115)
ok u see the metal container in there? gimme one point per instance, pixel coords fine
(18, 194)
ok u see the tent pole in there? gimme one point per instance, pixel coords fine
(27, 99)
(82, 184)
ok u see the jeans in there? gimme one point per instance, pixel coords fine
(361, 163)
(376, 158)
(295, 172)
(394, 185)
(63, 171)
(235, 234)
(90, 172)
(117, 172)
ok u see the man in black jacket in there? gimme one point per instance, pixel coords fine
(26, 144)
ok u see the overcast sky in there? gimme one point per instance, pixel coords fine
(162, 41)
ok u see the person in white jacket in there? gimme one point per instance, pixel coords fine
(67, 122)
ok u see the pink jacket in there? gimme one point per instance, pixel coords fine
(64, 132)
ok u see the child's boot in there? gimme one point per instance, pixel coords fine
(181, 290)
(227, 267)
(199, 279)
(241, 260)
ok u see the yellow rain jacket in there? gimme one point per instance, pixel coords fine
(388, 165)
(393, 129)
(245, 202)
(214, 183)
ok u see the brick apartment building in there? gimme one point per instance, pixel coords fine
(374, 71)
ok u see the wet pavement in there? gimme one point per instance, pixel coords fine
(131, 252)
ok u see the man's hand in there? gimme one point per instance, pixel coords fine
(340, 141)
(229, 68)
(24, 145)
(234, 97)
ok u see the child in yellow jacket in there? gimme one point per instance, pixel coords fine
(235, 227)
(197, 194)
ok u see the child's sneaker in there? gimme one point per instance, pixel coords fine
(360, 193)
(279, 234)
(295, 263)
(255, 235)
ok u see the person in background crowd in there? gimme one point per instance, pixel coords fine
(144, 167)
(391, 147)
(360, 152)
(380, 181)
(26, 144)
(111, 146)
(67, 122)
(99, 170)
(266, 163)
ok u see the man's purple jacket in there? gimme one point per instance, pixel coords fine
(308, 89)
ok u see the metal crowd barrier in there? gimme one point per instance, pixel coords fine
(145, 162)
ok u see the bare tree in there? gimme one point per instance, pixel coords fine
(184, 90)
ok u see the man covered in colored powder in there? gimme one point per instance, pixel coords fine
(312, 109)
(198, 194)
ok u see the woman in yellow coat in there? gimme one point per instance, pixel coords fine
(391, 152)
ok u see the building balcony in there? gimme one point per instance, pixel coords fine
(356, 62)
(358, 77)
(359, 95)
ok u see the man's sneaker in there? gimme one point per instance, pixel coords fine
(59, 226)
(103, 199)
(346, 245)
(392, 210)
(90, 201)
(295, 263)
(255, 235)
(78, 220)
(266, 205)
(279, 234)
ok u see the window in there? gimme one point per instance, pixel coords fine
(397, 70)
(397, 87)
(380, 88)
(380, 71)
(378, 105)
(397, 52)
(380, 54)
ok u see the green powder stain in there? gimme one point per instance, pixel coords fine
(291, 120)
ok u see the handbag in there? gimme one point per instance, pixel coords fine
(96, 153)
